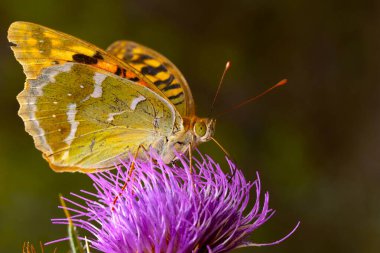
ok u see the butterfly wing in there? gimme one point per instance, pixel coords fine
(85, 119)
(159, 70)
(37, 47)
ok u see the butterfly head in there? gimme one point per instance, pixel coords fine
(203, 129)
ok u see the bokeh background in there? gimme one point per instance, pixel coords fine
(314, 141)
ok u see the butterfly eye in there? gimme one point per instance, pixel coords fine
(200, 128)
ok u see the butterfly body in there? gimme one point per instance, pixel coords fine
(87, 109)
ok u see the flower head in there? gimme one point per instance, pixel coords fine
(168, 209)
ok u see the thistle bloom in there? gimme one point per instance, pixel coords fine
(165, 208)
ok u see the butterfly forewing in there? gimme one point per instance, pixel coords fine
(83, 118)
(37, 47)
(159, 70)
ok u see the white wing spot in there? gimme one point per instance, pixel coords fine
(136, 101)
(85, 99)
(48, 76)
(98, 78)
(51, 72)
(111, 115)
(71, 112)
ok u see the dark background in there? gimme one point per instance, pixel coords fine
(314, 141)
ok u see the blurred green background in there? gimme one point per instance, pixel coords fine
(314, 141)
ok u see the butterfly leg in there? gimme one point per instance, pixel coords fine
(191, 159)
(130, 171)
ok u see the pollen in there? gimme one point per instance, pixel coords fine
(69, 94)
(54, 115)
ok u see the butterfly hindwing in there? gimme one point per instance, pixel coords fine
(159, 70)
(85, 119)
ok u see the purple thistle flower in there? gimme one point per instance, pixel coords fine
(165, 208)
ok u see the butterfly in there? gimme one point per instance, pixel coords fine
(87, 108)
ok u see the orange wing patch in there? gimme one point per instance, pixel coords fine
(37, 47)
(159, 70)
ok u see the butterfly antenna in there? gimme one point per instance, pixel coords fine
(280, 83)
(228, 64)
